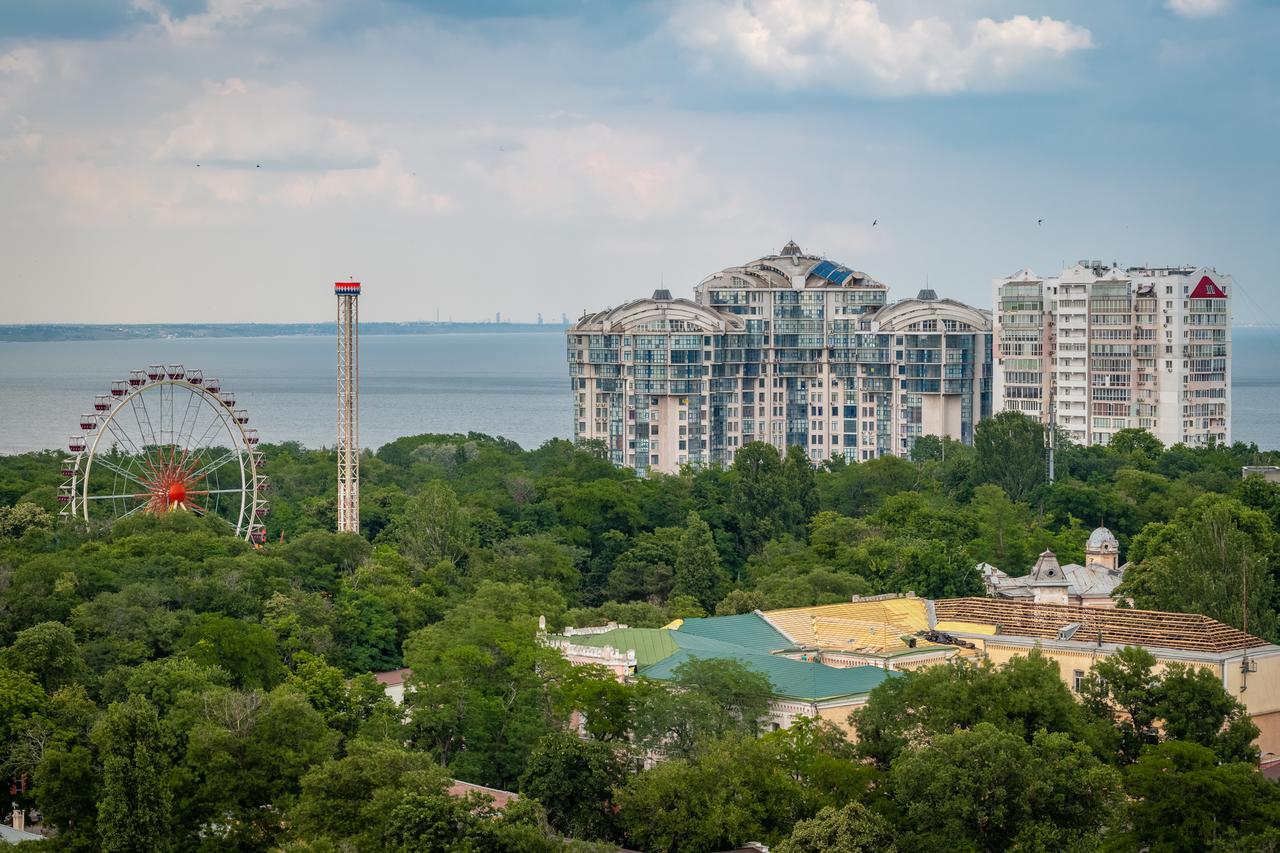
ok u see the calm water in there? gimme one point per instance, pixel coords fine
(513, 384)
(510, 384)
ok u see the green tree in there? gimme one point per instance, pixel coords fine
(574, 780)
(245, 650)
(799, 491)
(757, 495)
(20, 696)
(1024, 696)
(851, 829)
(134, 808)
(984, 789)
(1125, 687)
(1193, 706)
(18, 519)
(740, 601)
(49, 652)
(1183, 799)
(1011, 454)
(1204, 560)
(434, 526)
(697, 569)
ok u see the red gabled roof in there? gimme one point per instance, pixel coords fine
(1207, 289)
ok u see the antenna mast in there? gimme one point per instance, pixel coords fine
(348, 293)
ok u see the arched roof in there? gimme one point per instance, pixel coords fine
(791, 268)
(647, 314)
(900, 316)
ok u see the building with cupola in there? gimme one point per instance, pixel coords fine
(1051, 582)
(789, 349)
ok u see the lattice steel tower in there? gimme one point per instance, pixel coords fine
(348, 293)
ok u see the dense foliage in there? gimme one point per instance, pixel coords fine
(166, 686)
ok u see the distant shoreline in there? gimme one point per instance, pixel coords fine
(38, 332)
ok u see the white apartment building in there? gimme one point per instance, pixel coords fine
(1099, 349)
(791, 349)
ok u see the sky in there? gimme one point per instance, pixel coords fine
(227, 160)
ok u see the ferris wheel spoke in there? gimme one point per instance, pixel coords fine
(199, 473)
(215, 491)
(121, 497)
(111, 466)
(141, 506)
(124, 437)
(204, 442)
(146, 413)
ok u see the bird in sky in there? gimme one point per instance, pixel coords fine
(873, 222)
(1039, 222)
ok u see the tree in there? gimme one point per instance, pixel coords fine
(434, 526)
(1023, 697)
(248, 753)
(49, 652)
(245, 650)
(1183, 799)
(574, 779)
(697, 570)
(1195, 707)
(799, 491)
(134, 808)
(740, 601)
(1125, 682)
(1204, 560)
(851, 829)
(758, 494)
(987, 790)
(1011, 454)
(20, 696)
(731, 793)
(18, 519)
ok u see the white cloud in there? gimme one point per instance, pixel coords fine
(847, 44)
(219, 15)
(571, 167)
(245, 122)
(1198, 8)
(386, 179)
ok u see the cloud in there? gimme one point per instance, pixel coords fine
(238, 121)
(571, 167)
(218, 16)
(847, 45)
(386, 179)
(1198, 8)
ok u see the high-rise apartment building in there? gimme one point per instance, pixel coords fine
(1098, 348)
(791, 349)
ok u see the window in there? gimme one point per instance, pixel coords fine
(1077, 680)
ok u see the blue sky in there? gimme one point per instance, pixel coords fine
(225, 160)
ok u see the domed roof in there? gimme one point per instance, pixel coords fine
(1102, 539)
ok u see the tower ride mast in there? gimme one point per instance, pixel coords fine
(348, 293)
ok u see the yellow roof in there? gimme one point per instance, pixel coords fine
(869, 626)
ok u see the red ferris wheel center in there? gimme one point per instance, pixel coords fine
(177, 493)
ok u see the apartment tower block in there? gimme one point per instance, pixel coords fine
(1097, 349)
(790, 349)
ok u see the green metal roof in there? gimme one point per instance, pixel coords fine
(749, 630)
(747, 639)
(651, 644)
(791, 679)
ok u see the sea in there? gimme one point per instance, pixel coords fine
(510, 384)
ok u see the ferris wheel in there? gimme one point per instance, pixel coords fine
(167, 439)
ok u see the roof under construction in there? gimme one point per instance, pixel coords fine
(1119, 626)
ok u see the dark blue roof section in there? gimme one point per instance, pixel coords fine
(832, 272)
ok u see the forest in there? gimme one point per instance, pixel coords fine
(167, 686)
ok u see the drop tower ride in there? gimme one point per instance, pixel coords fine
(348, 293)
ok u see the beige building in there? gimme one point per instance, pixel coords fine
(1099, 349)
(804, 650)
(790, 349)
